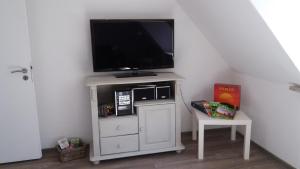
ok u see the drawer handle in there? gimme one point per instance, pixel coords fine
(118, 127)
(118, 146)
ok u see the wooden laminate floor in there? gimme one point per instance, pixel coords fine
(220, 153)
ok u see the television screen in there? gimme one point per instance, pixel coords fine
(132, 44)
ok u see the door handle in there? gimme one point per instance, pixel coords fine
(23, 70)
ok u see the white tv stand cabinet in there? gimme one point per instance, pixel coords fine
(156, 127)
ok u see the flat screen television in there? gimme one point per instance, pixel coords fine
(132, 44)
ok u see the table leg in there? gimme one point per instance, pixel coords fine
(194, 126)
(233, 133)
(247, 142)
(200, 140)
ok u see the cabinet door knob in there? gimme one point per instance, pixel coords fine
(141, 129)
(118, 146)
(118, 127)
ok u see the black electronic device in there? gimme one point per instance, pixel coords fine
(123, 102)
(144, 93)
(132, 44)
(163, 92)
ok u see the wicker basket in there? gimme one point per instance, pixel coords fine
(72, 154)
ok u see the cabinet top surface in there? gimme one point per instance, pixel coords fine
(111, 79)
(153, 102)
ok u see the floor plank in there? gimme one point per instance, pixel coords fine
(219, 153)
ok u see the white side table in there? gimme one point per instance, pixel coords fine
(239, 119)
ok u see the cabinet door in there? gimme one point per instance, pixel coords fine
(157, 126)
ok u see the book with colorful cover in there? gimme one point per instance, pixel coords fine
(228, 94)
(221, 111)
(215, 109)
(202, 106)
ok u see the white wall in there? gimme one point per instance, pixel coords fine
(282, 17)
(60, 39)
(239, 33)
(275, 114)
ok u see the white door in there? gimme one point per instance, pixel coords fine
(157, 126)
(19, 130)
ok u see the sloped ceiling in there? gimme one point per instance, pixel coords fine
(241, 36)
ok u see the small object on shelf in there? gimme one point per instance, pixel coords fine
(106, 110)
(143, 92)
(76, 150)
(228, 93)
(163, 92)
(123, 102)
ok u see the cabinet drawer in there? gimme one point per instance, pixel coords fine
(119, 144)
(116, 126)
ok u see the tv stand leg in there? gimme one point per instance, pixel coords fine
(96, 162)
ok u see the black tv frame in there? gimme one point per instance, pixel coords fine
(135, 71)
